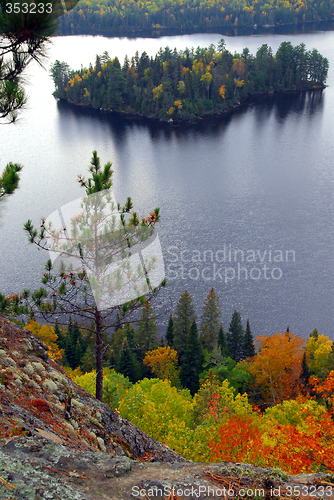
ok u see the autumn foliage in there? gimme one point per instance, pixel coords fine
(277, 366)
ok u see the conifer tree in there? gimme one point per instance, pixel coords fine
(304, 376)
(146, 334)
(183, 319)
(210, 321)
(222, 343)
(235, 337)
(169, 331)
(193, 360)
(248, 348)
(127, 364)
(95, 241)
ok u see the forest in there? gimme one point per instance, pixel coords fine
(185, 85)
(209, 394)
(110, 17)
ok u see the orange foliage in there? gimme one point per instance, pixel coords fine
(326, 389)
(294, 451)
(240, 441)
(276, 368)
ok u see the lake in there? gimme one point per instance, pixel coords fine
(246, 199)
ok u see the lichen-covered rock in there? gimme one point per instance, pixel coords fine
(36, 393)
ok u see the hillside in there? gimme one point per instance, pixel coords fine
(59, 442)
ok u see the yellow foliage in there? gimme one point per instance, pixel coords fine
(163, 362)
(318, 351)
(239, 83)
(222, 91)
(157, 91)
(48, 337)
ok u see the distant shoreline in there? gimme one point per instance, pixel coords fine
(244, 30)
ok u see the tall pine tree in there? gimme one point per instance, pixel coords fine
(210, 320)
(222, 343)
(249, 349)
(146, 334)
(235, 337)
(169, 331)
(193, 360)
(183, 319)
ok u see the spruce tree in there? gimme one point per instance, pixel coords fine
(235, 337)
(210, 321)
(183, 319)
(169, 331)
(304, 376)
(146, 334)
(248, 349)
(222, 343)
(193, 360)
(127, 364)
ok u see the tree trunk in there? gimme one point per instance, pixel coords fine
(98, 345)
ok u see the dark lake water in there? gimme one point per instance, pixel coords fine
(246, 200)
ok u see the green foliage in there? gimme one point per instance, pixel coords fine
(183, 319)
(183, 85)
(222, 343)
(22, 39)
(248, 347)
(153, 404)
(235, 337)
(9, 179)
(73, 342)
(293, 413)
(192, 361)
(146, 333)
(127, 363)
(169, 331)
(115, 385)
(210, 320)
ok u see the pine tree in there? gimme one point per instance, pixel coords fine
(127, 364)
(222, 343)
(22, 39)
(9, 179)
(235, 337)
(169, 331)
(183, 319)
(248, 348)
(210, 321)
(193, 360)
(100, 235)
(146, 334)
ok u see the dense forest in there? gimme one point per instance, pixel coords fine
(211, 394)
(110, 17)
(182, 85)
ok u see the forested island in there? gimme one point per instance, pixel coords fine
(110, 17)
(189, 84)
